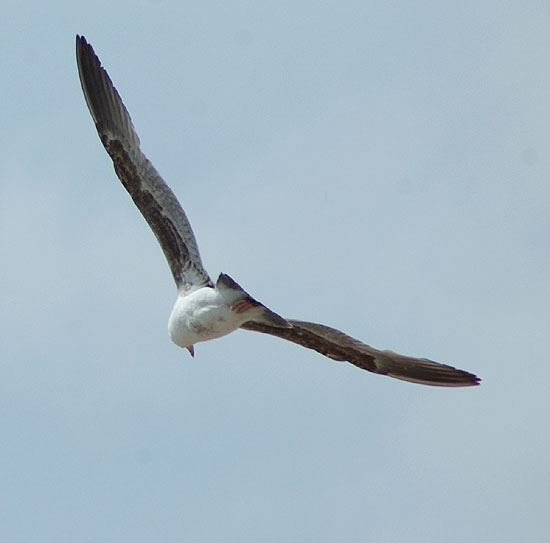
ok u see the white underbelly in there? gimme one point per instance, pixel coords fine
(202, 315)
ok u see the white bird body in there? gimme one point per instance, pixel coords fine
(208, 313)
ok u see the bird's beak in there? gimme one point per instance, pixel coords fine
(191, 351)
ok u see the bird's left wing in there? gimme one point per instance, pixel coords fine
(150, 193)
(339, 346)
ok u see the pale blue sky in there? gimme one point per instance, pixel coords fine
(381, 167)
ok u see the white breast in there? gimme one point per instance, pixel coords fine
(202, 315)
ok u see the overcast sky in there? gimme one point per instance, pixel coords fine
(381, 167)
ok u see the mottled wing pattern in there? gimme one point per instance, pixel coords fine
(150, 193)
(339, 346)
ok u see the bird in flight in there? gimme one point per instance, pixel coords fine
(203, 309)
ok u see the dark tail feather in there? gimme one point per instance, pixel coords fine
(264, 315)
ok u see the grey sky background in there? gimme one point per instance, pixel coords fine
(381, 167)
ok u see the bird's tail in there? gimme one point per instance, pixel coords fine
(260, 313)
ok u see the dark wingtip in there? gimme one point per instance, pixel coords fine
(80, 41)
(468, 379)
(464, 378)
(81, 44)
(441, 376)
(473, 381)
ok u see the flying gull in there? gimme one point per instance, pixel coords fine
(204, 310)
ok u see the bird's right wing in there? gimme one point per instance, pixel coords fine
(150, 193)
(339, 346)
